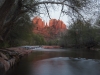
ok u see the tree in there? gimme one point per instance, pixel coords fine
(37, 39)
(20, 33)
(12, 10)
(80, 34)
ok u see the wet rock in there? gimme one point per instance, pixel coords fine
(51, 47)
(3, 56)
(10, 56)
(12, 61)
(5, 63)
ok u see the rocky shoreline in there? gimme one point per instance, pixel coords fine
(10, 56)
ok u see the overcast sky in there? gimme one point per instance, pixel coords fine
(54, 14)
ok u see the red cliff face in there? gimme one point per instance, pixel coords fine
(38, 22)
(50, 31)
(52, 22)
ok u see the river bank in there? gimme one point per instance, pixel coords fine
(10, 56)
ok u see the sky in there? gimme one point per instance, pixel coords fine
(54, 14)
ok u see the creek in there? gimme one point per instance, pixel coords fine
(59, 62)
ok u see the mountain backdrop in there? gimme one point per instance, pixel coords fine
(50, 31)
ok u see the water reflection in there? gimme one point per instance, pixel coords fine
(61, 62)
(66, 66)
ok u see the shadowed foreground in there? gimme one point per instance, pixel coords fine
(9, 57)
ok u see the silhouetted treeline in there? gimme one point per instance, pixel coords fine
(81, 34)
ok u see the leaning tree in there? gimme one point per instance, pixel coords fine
(12, 10)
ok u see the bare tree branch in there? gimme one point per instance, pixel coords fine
(46, 2)
(47, 11)
(59, 3)
(61, 11)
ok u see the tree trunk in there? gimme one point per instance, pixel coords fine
(6, 13)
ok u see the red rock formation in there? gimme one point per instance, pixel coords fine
(52, 22)
(50, 31)
(38, 22)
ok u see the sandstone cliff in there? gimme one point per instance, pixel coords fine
(51, 31)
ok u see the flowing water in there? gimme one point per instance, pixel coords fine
(59, 62)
